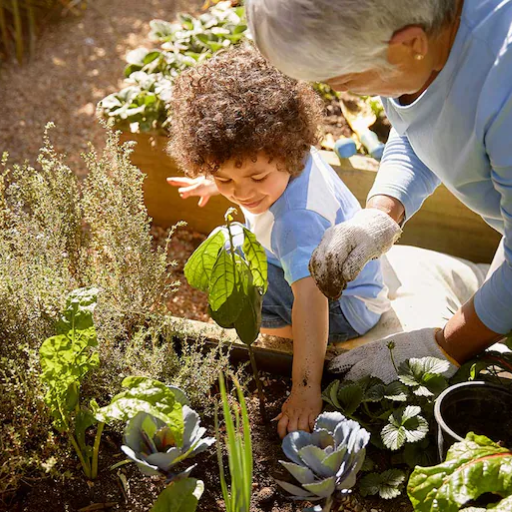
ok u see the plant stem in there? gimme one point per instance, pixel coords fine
(95, 451)
(85, 465)
(391, 346)
(328, 504)
(258, 384)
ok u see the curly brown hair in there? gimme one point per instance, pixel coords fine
(237, 105)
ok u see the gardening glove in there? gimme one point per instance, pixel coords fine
(347, 247)
(200, 187)
(374, 359)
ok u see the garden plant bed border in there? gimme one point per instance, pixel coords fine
(443, 224)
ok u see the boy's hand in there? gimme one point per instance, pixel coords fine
(201, 187)
(300, 410)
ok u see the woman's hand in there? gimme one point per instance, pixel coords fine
(200, 187)
(300, 410)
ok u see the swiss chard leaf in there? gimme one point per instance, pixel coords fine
(423, 375)
(256, 258)
(145, 395)
(405, 425)
(199, 266)
(180, 496)
(387, 485)
(473, 467)
(67, 357)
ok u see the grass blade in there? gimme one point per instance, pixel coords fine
(18, 30)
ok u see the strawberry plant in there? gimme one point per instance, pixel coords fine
(399, 416)
(65, 359)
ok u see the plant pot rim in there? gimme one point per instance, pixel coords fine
(449, 390)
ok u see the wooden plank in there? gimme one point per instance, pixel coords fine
(443, 223)
(163, 202)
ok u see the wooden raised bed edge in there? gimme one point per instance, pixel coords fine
(443, 224)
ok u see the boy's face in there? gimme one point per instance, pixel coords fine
(256, 185)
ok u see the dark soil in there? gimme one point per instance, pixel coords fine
(125, 489)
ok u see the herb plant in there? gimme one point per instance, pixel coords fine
(235, 277)
(473, 467)
(326, 460)
(142, 105)
(237, 498)
(65, 359)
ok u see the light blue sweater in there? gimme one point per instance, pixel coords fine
(459, 133)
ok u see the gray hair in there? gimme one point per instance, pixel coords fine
(316, 40)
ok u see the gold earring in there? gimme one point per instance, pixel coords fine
(418, 56)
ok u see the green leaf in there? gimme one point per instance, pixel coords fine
(180, 496)
(405, 425)
(145, 395)
(473, 467)
(387, 484)
(421, 453)
(198, 268)
(222, 281)
(248, 322)
(79, 311)
(508, 341)
(228, 313)
(424, 375)
(257, 259)
(350, 397)
(396, 391)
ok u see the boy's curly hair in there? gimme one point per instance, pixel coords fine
(237, 105)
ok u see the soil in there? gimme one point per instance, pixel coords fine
(126, 490)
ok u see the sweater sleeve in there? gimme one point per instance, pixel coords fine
(493, 301)
(403, 175)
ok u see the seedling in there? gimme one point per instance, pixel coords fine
(235, 277)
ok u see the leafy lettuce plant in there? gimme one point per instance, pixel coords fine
(65, 359)
(326, 460)
(472, 468)
(237, 498)
(180, 496)
(235, 277)
(142, 105)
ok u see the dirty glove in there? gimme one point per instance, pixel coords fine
(375, 359)
(347, 247)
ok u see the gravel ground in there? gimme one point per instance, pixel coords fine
(78, 61)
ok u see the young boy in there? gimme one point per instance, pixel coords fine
(248, 131)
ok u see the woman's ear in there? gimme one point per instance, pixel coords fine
(413, 39)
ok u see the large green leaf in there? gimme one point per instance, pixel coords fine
(405, 425)
(257, 259)
(180, 496)
(79, 310)
(222, 281)
(145, 395)
(248, 323)
(473, 467)
(198, 268)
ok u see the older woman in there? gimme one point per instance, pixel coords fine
(444, 71)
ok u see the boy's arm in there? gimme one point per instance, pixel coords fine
(310, 327)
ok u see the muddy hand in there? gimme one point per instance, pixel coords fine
(346, 248)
